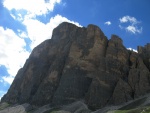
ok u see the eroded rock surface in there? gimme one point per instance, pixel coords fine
(81, 64)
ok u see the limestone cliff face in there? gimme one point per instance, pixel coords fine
(81, 64)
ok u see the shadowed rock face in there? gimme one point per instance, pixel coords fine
(81, 64)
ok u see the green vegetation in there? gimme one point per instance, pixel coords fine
(134, 105)
(4, 105)
(137, 110)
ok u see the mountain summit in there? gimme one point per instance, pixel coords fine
(81, 64)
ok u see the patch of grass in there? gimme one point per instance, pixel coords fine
(4, 105)
(134, 104)
(140, 110)
(137, 110)
(119, 111)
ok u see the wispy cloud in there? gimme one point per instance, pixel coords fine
(107, 23)
(121, 27)
(64, 4)
(131, 49)
(132, 25)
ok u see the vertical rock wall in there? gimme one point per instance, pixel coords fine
(81, 64)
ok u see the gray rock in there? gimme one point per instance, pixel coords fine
(81, 64)
(61, 111)
(76, 107)
(42, 109)
(17, 109)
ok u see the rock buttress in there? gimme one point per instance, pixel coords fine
(81, 64)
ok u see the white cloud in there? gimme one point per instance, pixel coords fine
(19, 15)
(12, 52)
(130, 19)
(133, 29)
(108, 23)
(14, 17)
(8, 79)
(38, 31)
(133, 25)
(23, 34)
(34, 7)
(131, 49)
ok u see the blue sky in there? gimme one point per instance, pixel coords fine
(26, 23)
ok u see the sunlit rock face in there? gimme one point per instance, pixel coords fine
(81, 64)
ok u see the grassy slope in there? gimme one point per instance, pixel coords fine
(137, 110)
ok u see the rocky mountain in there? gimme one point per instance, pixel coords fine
(81, 64)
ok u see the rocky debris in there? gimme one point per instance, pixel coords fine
(76, 107)
(81, 64)
(24, 108)
(137, 105)
(42, 109)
